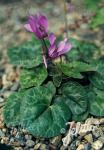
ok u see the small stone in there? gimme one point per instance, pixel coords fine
(72, 146)
(11, 140)
(18, 148)
(102, 121)
(89, 138)
(1, 134)
(97, 145)
(43, 147)
(87, 146)
(14, 132)
(4, 130)
(55, 141)
(1, 125)
(84, 26)
(37, 146)
(97, 133)
(62, 148)
(28, 137)
(30, 143)
(53, 147)
(80, 147)
(6, 140)
(77, 143)
(1, 100)
(101, 139)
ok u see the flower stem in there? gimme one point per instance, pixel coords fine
(65, 18)
(44, 49)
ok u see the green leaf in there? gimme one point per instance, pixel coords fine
(83, 51)
(56, 75)
(27, 55)
(97, 78)
(32, 77)
(74, 69)
(76, 97)
(34, 110)
(96, 104)
(88, 51)
(81, 117)
(92, 4)
(57, 80)
(98, 19)
(98, 92)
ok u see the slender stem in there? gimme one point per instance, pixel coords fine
(44, 50)
(65, 18)
(45, 46)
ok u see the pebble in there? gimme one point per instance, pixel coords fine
(56, 140)
(102, 121)
(1, 134)
(1, 100)
(30, 143)
(101, 139)
(43, 147)
(28, 137)
(1, 124)
(53, 147)
(37, 146)
(87, 146)
(62, 148)
(11, 140)
(80, 147)
(18, 148)
(89, 138)
(97, 145)
(4, 130)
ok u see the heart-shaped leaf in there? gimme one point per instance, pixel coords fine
(32, 77)
(27, 55)
(34, 110)
(74, 69)
(80, 117)
(76, 97)
(83, 51)
(96, 104)
(92, 4)
(97, 78)
(98, 19)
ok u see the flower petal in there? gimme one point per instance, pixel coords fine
(52, 38)
(61, 46)
(67, 48)
(51, 50)
(43, 21)
(28, 27)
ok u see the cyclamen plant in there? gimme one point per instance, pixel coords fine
(54, 92)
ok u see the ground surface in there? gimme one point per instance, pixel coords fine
(12, 17)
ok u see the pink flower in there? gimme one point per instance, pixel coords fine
(38, 24)
(62, 48)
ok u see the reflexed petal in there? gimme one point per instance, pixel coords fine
(43, 22)
(67, 48)
(52, 38)
(32, 23)
(61, 46)
(28, 27)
